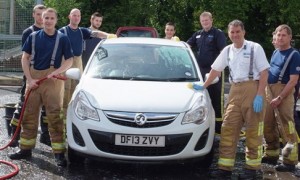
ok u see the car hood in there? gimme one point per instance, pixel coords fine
(139, 96)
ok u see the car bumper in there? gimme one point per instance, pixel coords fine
(97, 139)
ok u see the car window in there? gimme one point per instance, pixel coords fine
(142, 62)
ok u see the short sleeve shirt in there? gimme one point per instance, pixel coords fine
(238, 61)
(277, 62)
(28, 31)
(77, 37)
(44, 46)
(209, 45)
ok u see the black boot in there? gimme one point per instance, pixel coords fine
(248, 174)
(60, 159)
(269, 160)
(45, 137)
(285, 167)
(221, 174)
(20, 154)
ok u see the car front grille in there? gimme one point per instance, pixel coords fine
(174, 144)
(129, 119)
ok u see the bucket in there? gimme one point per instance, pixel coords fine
(9, 112)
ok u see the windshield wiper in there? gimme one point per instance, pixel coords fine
(145, 79)
(182, 79)
(115, 77)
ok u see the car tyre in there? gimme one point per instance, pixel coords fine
(73, 157)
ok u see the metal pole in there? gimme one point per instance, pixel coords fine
(11, 16)
(39, 1)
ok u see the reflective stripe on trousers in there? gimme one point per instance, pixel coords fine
(14, 121)
(28, 142)
(239, 112)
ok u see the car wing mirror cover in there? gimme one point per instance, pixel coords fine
(73, 73)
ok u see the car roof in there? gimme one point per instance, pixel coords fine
(142, 40)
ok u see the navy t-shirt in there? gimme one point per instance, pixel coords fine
(76, 38)
(28, 31)
(44, 45)
(209, 45)
(277, 62)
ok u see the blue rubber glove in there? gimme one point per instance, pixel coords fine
(198, 87)
(258, 103)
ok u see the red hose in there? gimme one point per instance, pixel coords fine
(15, 172)
(16, 169)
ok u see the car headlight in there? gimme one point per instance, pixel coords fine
(198, 114)
(83, 108)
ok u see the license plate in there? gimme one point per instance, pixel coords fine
(139, 140)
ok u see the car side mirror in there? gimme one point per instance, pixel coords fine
(73, 73)
(214, 81)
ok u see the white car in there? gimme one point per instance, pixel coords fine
(134, 103)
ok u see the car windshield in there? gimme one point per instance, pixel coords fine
(142, 62)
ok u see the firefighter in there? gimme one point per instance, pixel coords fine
(42, 57)
(248, 67)
(283, 77)
(77, 35)
(209, 41)
(44, 138)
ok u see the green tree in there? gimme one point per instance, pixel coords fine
(260, 17)
(63, 8)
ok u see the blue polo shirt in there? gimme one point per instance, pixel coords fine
(277, 62)
(209, 45)
(77, 36)
(44, 46)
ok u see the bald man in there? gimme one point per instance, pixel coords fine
(77, 35)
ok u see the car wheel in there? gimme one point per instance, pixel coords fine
(73, 157)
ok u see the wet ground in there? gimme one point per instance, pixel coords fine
(42, 165)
